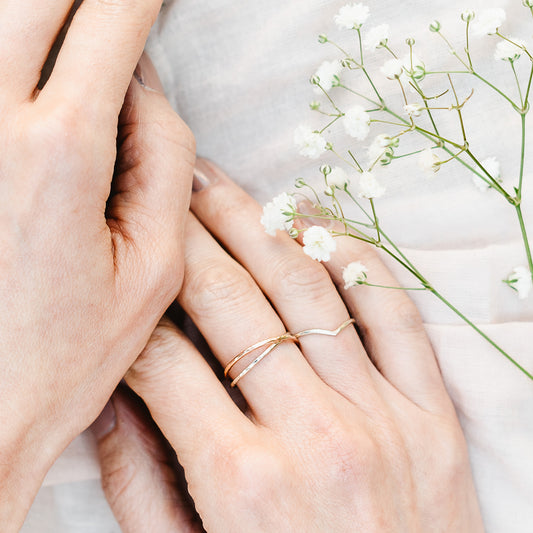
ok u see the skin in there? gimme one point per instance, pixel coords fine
(347, 433)
(92, 239)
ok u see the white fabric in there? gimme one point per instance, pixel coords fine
(237, 71)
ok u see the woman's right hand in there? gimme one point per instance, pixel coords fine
(341, 434)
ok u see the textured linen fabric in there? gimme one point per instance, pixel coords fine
(237, 71)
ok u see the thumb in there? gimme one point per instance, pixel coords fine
(140, 474)
(151, 189)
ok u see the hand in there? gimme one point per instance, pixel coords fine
(345, 433)
(84, 275)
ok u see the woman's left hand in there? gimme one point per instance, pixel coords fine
(340, 433)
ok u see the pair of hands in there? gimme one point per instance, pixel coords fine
(94, 253)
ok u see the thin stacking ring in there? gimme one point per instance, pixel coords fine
(273, 342)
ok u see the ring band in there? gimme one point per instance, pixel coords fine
(273, 342)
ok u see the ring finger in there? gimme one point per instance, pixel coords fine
(232, 314)
(300, 289)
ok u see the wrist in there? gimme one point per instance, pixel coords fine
(27, 452)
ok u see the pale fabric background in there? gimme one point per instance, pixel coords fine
(237, 71)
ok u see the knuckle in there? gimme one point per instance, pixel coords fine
(117, 481)
(59, 131)
(294, 273)
(256, 472)
(404, 317)
(217, 285)
(450, 453)
(348, 456)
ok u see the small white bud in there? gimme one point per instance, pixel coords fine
(322, 38)
(435, 26)
(325, 169)
(468, 15)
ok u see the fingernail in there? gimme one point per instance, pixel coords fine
(200, 180)
(146, 75)
(308, 209)
(106, 422)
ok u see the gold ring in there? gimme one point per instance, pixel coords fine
(273, 342)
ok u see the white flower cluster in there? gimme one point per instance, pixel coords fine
(377, 37)
(352, 16)
(369, 187)
(429, 161)
(509, 51)
(274, 217)
(354, 274)
(356, 122)
(488, 21)
(338, 178)
(327, 75)
(319, 244)
(310, 143)
(520, 281)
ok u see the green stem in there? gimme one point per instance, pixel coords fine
(396, 288)
(364, 69)
(518, 84)
(525, 109)
(486, 82)
(524, 237)
(493, 181)
(376, 222)
(468, 45)
(330, 124)
(522, 156)
(485, 336)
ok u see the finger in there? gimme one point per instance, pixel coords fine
(300, 289)
(99, 55)
(390, 326)
(151, 189)
(232, 314)
(139, 471)
(27, 32)
(184, 396)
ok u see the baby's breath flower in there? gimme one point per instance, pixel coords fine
(520, 280)
(369, 187)
(274, 217)
(435, 26)
(507, 51)
(377, 37)
(338, 178)
(327, 75)
(310, 143)
(379, 146)
(468, 15)
(356, 122)
(487, 22)
(413, 110)
(352, 16)
(429, 161)
(392, 69)
(492, 166)
(319, 243)
(354, 274)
